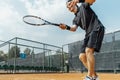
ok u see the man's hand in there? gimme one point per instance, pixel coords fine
(62, 26)
(72, 3)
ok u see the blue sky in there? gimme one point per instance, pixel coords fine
(12, 25)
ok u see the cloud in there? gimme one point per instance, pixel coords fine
(6, 11)
(48, 9)
(8, 18)
(12, 24)
(52, 10)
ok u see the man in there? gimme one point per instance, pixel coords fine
(88, 21)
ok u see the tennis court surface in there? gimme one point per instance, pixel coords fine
(56, 76)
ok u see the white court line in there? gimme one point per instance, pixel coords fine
(31, 79)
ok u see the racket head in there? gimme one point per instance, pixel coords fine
(34, 20)
(37, 21)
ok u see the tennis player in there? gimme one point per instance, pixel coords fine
(86, 19)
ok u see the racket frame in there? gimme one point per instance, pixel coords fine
(45, 21)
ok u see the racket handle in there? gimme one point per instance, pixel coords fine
(56, 24)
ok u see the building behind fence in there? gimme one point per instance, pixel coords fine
(107, 60)
(42, 57)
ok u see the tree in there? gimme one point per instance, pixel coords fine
(58, 51)
(14, 50)
(1, 53)
(3, 56)
(27, 51)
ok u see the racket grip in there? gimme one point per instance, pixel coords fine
(57, 24)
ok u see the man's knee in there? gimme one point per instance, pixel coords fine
(89, 51)
(82, 57)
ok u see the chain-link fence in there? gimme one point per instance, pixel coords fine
(107, 60)
(21, 55)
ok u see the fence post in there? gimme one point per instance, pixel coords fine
(14, 71)
(113, 45)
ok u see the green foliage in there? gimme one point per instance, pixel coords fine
(3, 56)
(27, 51)
(14, 52)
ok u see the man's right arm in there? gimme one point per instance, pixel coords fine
(90, 1)
(81, 1)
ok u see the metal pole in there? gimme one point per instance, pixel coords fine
(43, 56)
(62, 58)
(8, 54)
(114, 64)
(14, 71)
(32, 56)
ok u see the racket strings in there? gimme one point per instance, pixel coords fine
(37, 21)
(34, 20)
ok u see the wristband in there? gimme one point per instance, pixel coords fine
(68, 27)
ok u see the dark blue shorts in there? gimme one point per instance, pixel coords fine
(93, 40)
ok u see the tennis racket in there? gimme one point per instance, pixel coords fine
(37, 21)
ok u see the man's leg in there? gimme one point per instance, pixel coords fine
(83, 59)
(90, 61)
